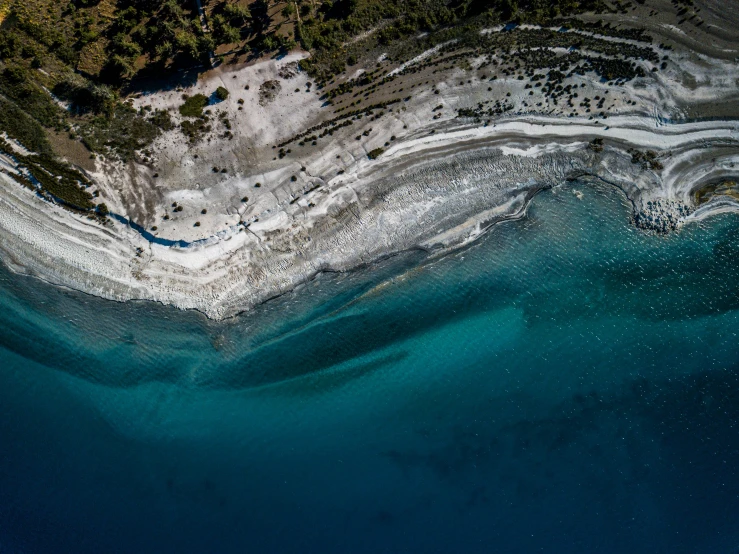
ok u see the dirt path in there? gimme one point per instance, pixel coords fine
(206, 29)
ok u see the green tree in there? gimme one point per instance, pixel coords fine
(14, 74)
(102, 209)
(237, 14)
(269, 42)
(288, 10)
(186, 43)
(164, 50)
(223, 32)
(229, 34)
(127, 19)
(206, 44)
(125, 46)
(287, 43)
(172, 10)
(508, 9)
(120, 67)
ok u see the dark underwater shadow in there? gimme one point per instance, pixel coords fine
(598, 459)
(325, 381)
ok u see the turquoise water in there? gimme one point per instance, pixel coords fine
(567, 384)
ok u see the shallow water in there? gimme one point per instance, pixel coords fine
(567, 384)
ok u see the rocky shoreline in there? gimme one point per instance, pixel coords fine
(436, 192)
(662, 216)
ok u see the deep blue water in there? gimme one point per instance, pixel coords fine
(568, 384)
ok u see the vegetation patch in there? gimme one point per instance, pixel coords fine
(65, 66)
(122, 133)
(722, 188)
(338, 122)
(51, 178)
(326, 28)
(268, 91)
(195, 129)
(23, 128)
(36, 102)
(193, 106)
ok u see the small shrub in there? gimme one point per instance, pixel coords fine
(221, 93)
(375, 153)
(596, 145)
(162, 119)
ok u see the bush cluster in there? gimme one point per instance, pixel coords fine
(193, 106)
